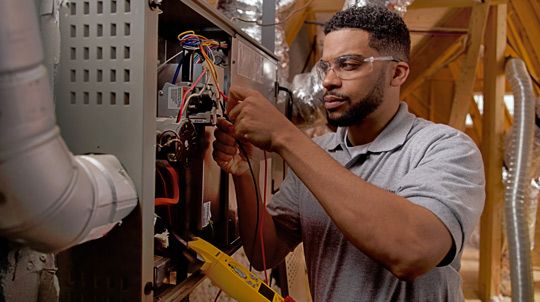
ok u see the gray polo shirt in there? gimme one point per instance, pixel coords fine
(432, 165)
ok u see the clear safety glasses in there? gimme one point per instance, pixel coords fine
(349, 66)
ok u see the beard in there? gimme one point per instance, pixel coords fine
(356, 113)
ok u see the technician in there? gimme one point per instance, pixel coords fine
(385, 204)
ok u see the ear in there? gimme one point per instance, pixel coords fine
(401, 72)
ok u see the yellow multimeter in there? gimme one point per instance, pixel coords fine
(232, 277)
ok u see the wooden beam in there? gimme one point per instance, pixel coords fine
(508, 119)
(530, 22)
(436, 51)
(465, 82)
(326, 6)
(449, 3)
(474, 112)
(476, 118)
(296, 21)
(446, 55)
(440, 99)
(492, 152)
(522, 47)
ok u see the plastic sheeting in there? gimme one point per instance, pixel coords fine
(399, 6)
(240, 11)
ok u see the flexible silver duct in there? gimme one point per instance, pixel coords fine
(50, 200)
(518, 181)
(240, 11)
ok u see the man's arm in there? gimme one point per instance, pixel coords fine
(406, 238)
(227, 155)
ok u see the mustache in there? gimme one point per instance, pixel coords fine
(336, 94)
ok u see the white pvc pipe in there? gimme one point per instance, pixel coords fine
(50, 200)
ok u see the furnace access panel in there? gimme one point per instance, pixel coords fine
(147, 83)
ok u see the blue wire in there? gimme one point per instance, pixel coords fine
(177, 69)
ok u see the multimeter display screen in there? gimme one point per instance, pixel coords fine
(266, 292)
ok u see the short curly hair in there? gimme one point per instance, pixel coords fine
(388, 33)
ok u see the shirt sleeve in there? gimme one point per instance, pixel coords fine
(284, 209)
(449, 182)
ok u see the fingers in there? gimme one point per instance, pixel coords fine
(236, 95)
(224, 133)
(234, 98)
(224, 126)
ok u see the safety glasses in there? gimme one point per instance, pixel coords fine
(349, 66)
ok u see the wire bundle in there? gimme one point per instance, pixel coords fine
(191, 41)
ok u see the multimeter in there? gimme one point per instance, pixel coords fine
(232, 277)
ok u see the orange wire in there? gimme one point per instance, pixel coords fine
(211, 70)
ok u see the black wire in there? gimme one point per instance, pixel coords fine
(290, 100)
(254, 184)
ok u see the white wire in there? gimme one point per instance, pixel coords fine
(171, 58)
(195, 94)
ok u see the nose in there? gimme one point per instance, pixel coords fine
(331, 79)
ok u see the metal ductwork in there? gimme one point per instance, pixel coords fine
(398, 6)
(50, 200)
(518, 165)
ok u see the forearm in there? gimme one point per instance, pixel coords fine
(247, 199)
(404, 237)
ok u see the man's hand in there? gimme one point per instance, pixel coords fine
(227, 153)
(256, 120)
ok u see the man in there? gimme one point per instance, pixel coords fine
(385, 204)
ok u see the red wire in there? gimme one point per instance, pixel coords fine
(219, 293)
(224, 96)
(262, 219)
(164, 183)
(185, 96)
(165, 188)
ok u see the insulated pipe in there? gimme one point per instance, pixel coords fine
(50, 200)
(518, 180)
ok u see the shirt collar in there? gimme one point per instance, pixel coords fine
(392, 136)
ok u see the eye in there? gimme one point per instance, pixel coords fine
(348, 64)
(323, 66)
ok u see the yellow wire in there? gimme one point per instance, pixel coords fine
(207, 43)
(202, 38)
(211, 64)
(186, 32)
(212, 72)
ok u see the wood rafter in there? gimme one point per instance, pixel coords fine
(296, 21)
(473, 110)
(434, 53)
(447, 54)
(492, 152)
(520, 42)
(467, 76)
(448, 3)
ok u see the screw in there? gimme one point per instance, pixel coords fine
(148, 288)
